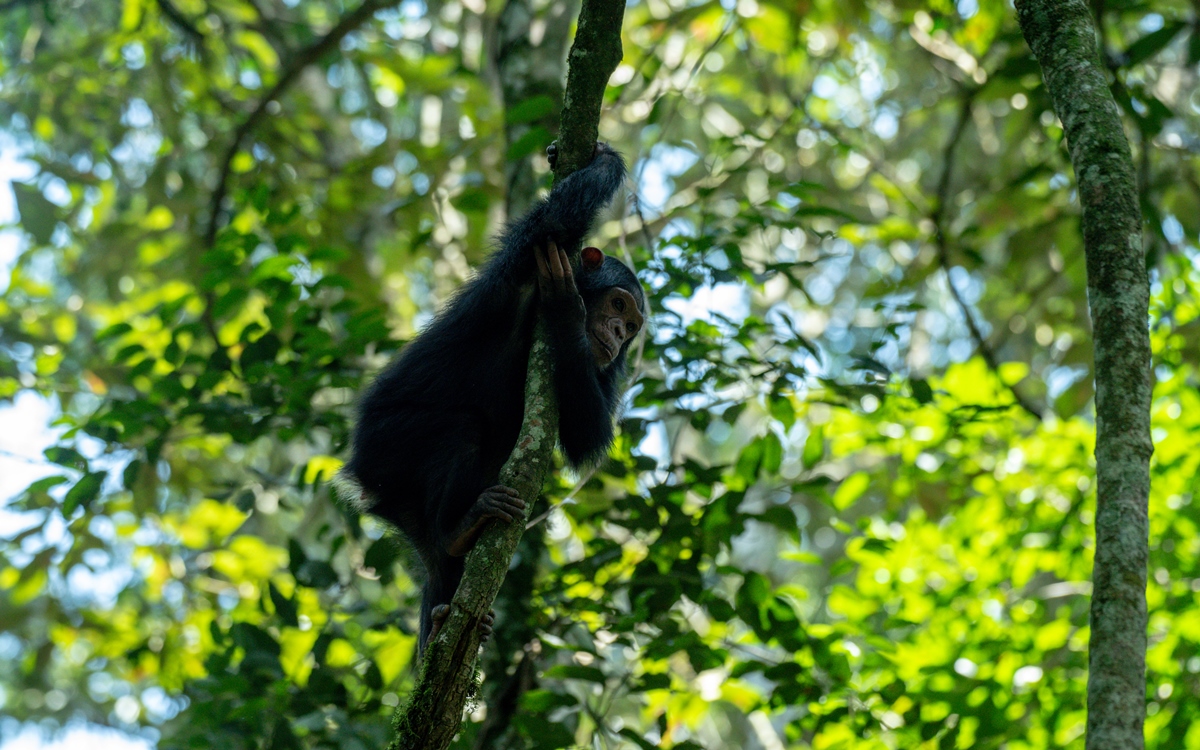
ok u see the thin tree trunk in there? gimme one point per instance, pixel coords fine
(433, 715)
(1063, 38)
(529, 66)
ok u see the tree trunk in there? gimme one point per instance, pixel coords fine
(1062, 36)
(433, 715)
(528, 66)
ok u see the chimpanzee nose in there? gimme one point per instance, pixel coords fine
(616, 327)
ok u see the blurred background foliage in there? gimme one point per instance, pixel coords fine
(850, 503)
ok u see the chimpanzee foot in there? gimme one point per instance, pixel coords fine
(439, 615)
(442, 611)
(499, 502)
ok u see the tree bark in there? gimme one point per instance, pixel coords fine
(594, 56)
(527, 68)
(433, 715)
(1063, 38)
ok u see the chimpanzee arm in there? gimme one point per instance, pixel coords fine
(490, 301)
(564, 217)
(587, 402)
(587, 394)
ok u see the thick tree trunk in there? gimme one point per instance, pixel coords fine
(531, 63)
(1062, 36)
(433, 714)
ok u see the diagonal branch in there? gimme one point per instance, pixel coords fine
(433, 715)
(305, 57)
(176, 16)
(942, 243)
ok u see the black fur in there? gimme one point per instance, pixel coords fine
(436, 426)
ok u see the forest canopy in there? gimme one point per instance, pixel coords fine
(851, 501)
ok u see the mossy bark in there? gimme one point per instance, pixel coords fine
(1063, 38)
(528, 69)
(594, 56)
(433, 714)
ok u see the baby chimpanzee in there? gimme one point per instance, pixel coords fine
(437, 425)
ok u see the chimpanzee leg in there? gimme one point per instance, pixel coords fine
(499, 502)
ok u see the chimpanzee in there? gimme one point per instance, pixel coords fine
(438, 423)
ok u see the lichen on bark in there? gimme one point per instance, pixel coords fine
(1063, 38)
(433, 714)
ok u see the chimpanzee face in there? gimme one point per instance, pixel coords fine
(612, 321)
(614, 314)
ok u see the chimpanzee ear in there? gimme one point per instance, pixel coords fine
(593, 258)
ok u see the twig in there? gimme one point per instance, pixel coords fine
(568, 500)
(307, 56)
(942, 243)
(175, 16)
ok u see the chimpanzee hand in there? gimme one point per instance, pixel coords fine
(556, 284)
(499, 502)
(552, 151)
(442, 611)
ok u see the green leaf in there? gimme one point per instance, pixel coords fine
(575, 672)
(534, 140)
(133, 469)
(653, 681)
(296, 555)
(533, 108)
(921, 391)
(316, 574)
(1149, 45)
(254, 639)
(275, 267)
(636, 739)
(851, 488)
(814, 447)
(545, 734)
(542, 701)
(749, 460)
(83, 493)
(772, 455)
(64, 456)
(285, 608)
(783, 410)
(373, 677)
(113, 331)
(781, 517)
(39, 216)
(45, 484)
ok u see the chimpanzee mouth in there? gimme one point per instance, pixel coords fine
(607, 347)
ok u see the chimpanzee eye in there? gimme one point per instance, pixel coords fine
(619, 304)
(633, 329)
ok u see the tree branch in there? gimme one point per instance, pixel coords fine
(594, 56)
(433, 715)
(305, 57)
(1063, 38)
(176, 16)
(523, 71)
(942, 242)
